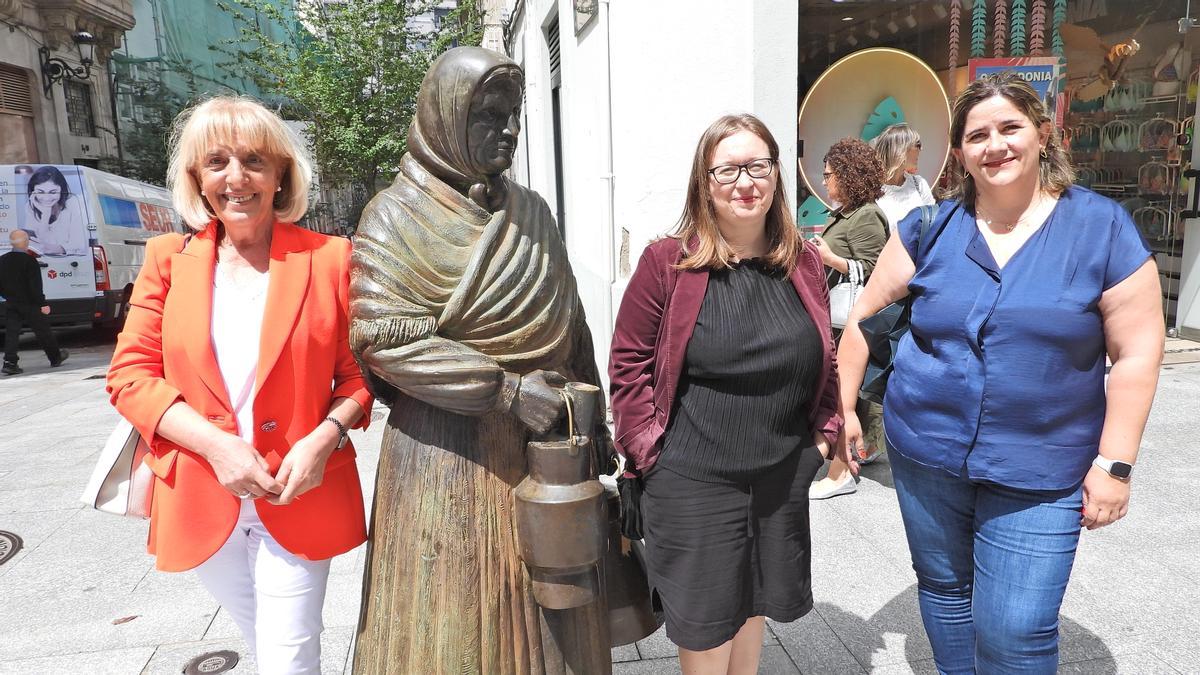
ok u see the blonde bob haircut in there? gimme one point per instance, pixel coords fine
(1055, 170)
(227, 120)
(699, 219)
(892, 146)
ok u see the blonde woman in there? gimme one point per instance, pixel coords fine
(899, 148)
(235, 366)
(723, 389)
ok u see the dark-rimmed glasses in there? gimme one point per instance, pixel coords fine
(730, 173)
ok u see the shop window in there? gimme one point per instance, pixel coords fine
(80, 119)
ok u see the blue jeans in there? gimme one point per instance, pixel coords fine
(992, 566)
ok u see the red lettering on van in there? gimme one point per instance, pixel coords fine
(153, 217)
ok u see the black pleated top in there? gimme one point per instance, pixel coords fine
(748, 380)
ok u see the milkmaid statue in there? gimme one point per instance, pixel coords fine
(466, 318)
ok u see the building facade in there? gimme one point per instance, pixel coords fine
(69, 121)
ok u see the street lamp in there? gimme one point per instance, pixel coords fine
(55, 69)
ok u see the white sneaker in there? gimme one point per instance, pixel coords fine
(826, 488)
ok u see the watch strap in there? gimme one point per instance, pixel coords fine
(1115, 468)
(342, 431)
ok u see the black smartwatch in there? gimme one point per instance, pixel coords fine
(341, 431)
(1115, 468)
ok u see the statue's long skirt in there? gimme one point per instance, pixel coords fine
(445, 590)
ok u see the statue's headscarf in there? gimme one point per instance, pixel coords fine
(438, 136)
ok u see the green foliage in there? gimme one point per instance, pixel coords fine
(352, 69)
(144, 151)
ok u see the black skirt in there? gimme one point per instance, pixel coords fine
(721, 553)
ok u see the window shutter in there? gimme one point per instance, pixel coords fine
(15, 96)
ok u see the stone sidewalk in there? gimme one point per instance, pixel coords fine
(81, 596)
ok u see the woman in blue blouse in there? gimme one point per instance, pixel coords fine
(1004, 442)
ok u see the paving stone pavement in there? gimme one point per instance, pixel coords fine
(1132, 606)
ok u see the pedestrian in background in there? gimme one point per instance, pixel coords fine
(24, 303)
(723, 392)
(235, 366)
(1000, 427)
(856, 233)
(899, 148)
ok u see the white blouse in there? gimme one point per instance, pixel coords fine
(899, 200)
(237, 318)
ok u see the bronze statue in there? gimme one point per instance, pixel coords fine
(466, 318)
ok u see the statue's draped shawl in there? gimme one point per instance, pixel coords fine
(446, 296)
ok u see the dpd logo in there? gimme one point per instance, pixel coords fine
(52, 274)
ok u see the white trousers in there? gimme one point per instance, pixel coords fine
(274, 597)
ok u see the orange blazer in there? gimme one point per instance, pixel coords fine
(165, 355)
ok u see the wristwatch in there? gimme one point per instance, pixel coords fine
(1115, 468)
(341, 431)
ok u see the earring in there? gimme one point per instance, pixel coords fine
(202, 192)
(278, 188)
(1043, 154)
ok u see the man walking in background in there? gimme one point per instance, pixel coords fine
(21, 286)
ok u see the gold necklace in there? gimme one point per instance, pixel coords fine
(1009, 227)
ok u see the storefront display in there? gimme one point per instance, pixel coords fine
(1126, 106)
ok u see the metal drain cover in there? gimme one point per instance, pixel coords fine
(9, 545)
(212, 662)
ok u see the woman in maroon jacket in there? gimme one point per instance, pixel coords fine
(724, 392)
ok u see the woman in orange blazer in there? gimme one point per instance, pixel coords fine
(235, 365)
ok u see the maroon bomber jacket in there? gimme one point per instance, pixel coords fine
(658, 313)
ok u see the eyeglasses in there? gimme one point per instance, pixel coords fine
(730, 173)
(826, 174)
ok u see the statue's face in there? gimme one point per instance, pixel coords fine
(494, 122)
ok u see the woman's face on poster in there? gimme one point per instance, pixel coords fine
(45, 195)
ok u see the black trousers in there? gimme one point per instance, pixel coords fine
(15, 315)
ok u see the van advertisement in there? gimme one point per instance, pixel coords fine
(48, 203)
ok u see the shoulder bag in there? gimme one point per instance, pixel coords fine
(843, 296)
(122, 483)
(884, 329)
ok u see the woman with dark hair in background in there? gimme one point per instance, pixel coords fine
(54, 218)
(1000, 427)
(855, 235)
(723, 389)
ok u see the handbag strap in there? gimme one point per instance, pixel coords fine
(929, 213)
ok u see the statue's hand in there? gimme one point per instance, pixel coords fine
(539, 403)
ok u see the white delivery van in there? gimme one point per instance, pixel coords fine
(89, 229)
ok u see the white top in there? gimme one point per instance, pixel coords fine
(899, 200)
(237, 319)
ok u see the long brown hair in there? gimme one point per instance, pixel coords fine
(1056, 173)
(699, 218)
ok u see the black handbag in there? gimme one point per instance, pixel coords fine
(884, 329)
